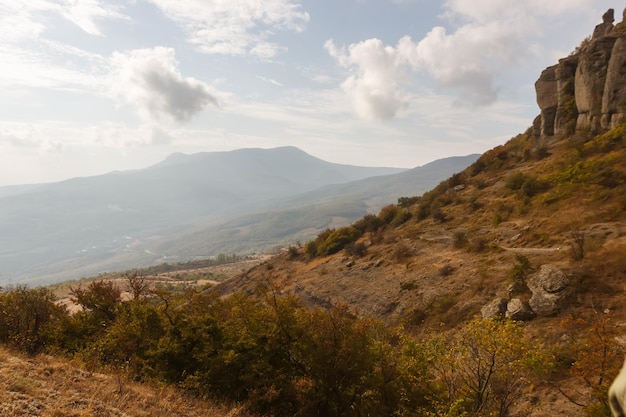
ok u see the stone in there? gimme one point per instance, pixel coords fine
(494, 309)
(547, 99)
(589, 83)
(614, 97)
(519, 310)
(606, 26)
(552, 291)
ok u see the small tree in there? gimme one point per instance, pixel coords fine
(488, 365)
(577, 245)
(137, 284)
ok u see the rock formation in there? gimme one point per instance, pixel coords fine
(552, 291)
(587, 90)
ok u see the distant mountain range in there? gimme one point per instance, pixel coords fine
(191, 205)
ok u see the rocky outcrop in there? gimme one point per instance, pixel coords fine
(590, 82)
(587, 90)
(552, 290)
(614, 97)
(606, 26)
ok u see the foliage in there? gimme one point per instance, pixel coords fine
(276, 356)
(393, 215)
(606, 142)
(337, 240)
(518, 273)
(26, 316)
(369, 223)
(525, 185)
(596, 358)
(488, 365)
(405, 202)
(577, 245)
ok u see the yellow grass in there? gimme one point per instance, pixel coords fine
(46, 386)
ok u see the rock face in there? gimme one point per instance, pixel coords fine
(552, 290)
(587, 90)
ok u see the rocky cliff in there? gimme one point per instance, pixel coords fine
(587, 90)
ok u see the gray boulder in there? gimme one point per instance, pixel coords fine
(551, 289)
(519, 310)
(495, 309)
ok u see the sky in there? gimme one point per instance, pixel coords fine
(93, 86)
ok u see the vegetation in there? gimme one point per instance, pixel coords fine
(276, 356)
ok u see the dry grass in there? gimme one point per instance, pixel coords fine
(45, 386)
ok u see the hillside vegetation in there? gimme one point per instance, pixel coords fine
(387, 316)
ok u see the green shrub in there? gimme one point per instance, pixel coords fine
(337, 240)
(369, 223)
(405, 202)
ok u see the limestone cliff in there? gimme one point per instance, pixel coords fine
(587, 90)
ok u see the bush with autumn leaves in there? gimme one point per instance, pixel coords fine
(280, 358)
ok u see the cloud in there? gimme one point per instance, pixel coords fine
(235, 27)
(84, 13)
(488, 38)
(150, 80)
(25, 19)
(374, 85)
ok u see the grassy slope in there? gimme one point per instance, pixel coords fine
(45, 386)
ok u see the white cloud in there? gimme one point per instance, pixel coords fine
(85, 13)
(374, 84)
(235, 27)
(488, 38)
(150, 80)
(26, 19)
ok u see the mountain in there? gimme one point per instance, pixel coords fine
(302, 217)
(127, 219)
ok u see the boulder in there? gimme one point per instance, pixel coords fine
(552, 290)
(516, 309)
(495, 309)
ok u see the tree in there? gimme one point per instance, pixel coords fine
(100, 297)
(487, 365)
(25, 316)
(596, 359)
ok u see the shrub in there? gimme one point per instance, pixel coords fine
(439, 215)
(518, 273)
(25, 316)
(369, 223)
(393, 215)
(459, 240)
(405, 202)
(577, 245)
(526, 185)
(358, 249)
(337, 240)
(402, 252)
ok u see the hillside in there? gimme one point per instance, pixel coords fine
(46, 386)
(402, 312)
(534, 230)
(553, 197)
